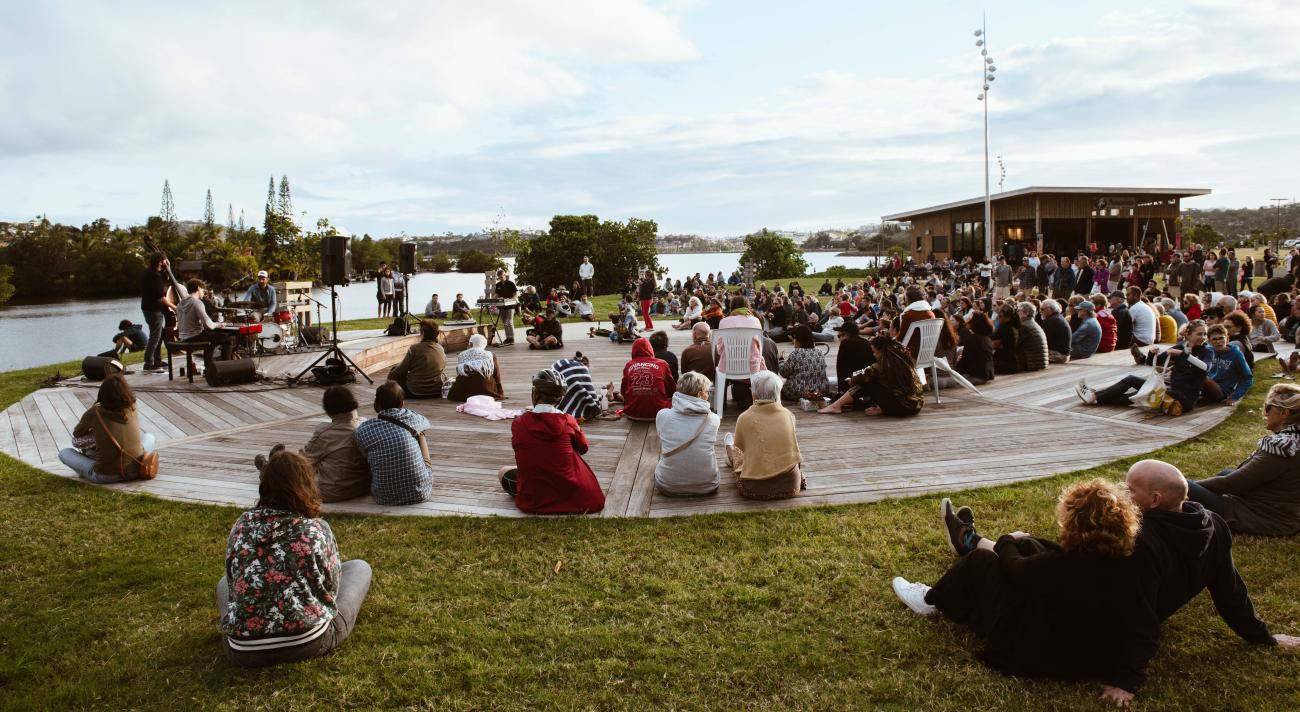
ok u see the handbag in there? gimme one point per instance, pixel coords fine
(1152, 392)
(698, 431)
(148, 462)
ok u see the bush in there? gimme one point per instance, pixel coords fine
(478, 261)
(773, 256)
(842, 271)
(616, 249)
(6, 283)
(441, 262)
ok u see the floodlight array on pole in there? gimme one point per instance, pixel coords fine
(987, 72)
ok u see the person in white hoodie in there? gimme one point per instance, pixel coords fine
(688, 432)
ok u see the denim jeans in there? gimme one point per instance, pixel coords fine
(84, 465)
(153, 350)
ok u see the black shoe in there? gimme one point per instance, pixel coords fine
(960, 525)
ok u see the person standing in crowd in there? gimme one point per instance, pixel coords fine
(1248, 273)
(420, 372)
(399, 293)
(395, 447)
(646, 293)
(587, 272)
(285, 596)
(154, 304)
(506, 289)
(1001, 278)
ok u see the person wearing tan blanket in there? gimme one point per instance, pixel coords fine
(765, 452)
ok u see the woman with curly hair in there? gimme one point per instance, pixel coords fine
(889, 386)
(1046, 609)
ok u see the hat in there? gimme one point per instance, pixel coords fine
(1117, 294)
(1085, 304)
(262, 274)
(849, 326)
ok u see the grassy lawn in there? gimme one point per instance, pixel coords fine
(106, 602)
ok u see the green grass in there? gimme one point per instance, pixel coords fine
(106, 602)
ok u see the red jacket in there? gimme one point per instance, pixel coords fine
(647, 384)
(553, 478)
(1109, 331)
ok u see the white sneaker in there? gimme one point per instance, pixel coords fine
(1085, 393)
(913, 595)
(729, 440)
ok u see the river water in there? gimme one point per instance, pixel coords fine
(32, 334)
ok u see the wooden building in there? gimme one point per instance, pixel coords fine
(1055, 220)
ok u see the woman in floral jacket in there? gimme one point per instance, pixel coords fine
(285, 597)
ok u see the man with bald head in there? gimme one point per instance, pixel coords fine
(1183, 549)
(698, 356)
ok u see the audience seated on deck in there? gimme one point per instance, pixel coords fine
(742, 317)
(285, 596)
(342, 472)
(1032, 342)
(477, 372)
(889, 386)
(765, 450)
(804, 368)
(1024, 595)
(1057, 331)
(699, 356)
(976, 360)
(1262, 494)
(1229, 378)
(1087, 336)
(581, 398)
(548, 334)
(647, 385)
(659, 342)
(107, 443)
(420, 372)
(1106, 321)
(854, 355)
(550, 476)
(688, 432)
(1189, 363)
(1006, 340)
(1045, 609)
(394, 445)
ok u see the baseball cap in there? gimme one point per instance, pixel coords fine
(1085, 304)
(262, 273)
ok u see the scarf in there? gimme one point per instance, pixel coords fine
(1284, 443)
(475, 361)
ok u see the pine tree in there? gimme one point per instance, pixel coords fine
(230, 217)
(270, 196)
(208, 217)
(286, 203)
(241, 220)
(168, 209)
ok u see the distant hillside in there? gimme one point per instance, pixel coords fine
(1243, 222)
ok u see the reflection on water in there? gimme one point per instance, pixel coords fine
(49, 332)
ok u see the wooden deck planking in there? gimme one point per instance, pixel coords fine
(209, 436)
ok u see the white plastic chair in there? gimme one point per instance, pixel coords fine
(929, 330)
(736, 344)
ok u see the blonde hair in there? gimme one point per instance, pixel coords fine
(1098, 516)
(1287, 397)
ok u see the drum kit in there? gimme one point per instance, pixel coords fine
(259, 333)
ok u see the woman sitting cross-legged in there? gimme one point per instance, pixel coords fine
(550, 476)
(1262, 495)
(694, 312)
(285, 597)
(108, 445)
(889, 386)
(765, 452)
(688, 432)
(1043, 609)
(803, 368)
(477, 373)
(1189, 363)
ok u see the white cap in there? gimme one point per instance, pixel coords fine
(262, 273)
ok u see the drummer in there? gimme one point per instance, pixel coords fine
(262, 294)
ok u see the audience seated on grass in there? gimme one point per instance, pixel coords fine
(1230, 378)
(285, 596)
(647, 385)
(889, 386)
(477, 373)
(394, 445)
(1264, 334)
(688, 432)
(1262, 494)
(420, 372)
(694, 313)
(1238, 326)
(699, 355)
(581, 398)
(550, 476)
(765, 450)
(1189, 364)
(342, 472)
(803, 368)
(108, 446)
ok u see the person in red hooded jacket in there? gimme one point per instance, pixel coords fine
(550, 476)
(1106, 320)
(647, 386)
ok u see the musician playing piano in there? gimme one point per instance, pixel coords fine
(262, 293)
(194, 324)
(505, 289)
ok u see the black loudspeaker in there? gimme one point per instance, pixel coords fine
(228, 373)
(406, 258)
(315, 335)
(96, 368)
(335, 260)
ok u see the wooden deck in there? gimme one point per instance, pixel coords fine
(209, 436)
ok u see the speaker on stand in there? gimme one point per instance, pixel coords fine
(406, 258)
(336, 267)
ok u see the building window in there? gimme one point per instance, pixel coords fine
(968, 238)
(940, 243)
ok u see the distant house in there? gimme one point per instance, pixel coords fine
(1059, 220)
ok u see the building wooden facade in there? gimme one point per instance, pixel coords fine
(1059, 220)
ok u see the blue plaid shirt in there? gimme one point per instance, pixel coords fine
(399, 472)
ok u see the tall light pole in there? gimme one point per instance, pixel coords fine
(1277, 226)
(987, 70)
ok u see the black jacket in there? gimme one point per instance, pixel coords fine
(646, 290)
(854, 355)
(671, 359)
(1058, 334)
(506, 289)
(1123, 327)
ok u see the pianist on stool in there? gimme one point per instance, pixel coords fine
(194, 324)
(506, 289)
(460, 308)
(262, 293)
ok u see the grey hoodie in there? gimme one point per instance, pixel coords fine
(694, 470)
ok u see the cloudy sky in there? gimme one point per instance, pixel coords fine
(715, 118)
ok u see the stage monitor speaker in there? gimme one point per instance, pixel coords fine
(335, 260)
(406, 258)
(315, 335)
(229, 373)
(97, 368)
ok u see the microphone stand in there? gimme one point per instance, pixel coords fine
(334, 349)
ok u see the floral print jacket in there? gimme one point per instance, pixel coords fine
(283, 574)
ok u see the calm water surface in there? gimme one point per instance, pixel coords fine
(50, 332)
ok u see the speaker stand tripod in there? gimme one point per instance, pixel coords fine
(334, 349)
